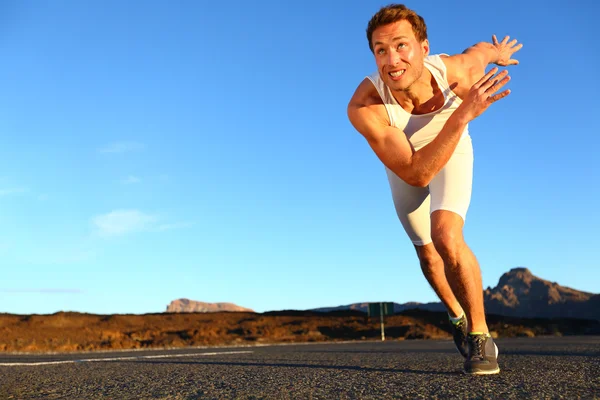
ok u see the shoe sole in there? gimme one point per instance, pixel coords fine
(483, 372)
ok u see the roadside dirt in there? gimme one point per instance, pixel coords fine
(69, 332)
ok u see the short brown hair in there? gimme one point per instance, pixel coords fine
(393, 13)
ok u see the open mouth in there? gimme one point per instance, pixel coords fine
(397, 74)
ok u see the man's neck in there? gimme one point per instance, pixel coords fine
(422, 96)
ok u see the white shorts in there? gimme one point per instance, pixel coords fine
(449, 190)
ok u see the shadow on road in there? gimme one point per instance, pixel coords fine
(452, 351)
(549, 353)
(280, 365)
(403, 351)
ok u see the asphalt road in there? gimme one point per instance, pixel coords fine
(532, 368)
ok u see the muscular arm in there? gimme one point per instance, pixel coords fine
(466, 68)
(475, 59)
(417, 168)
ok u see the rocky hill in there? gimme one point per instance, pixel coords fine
(186, 305)
(519, 293)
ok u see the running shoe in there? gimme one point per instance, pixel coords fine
(483, 355)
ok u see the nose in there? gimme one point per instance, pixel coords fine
(393, 57)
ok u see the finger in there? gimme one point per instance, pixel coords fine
(493, 81)
(494, 39)
(484, 78)
(513, 62)
(505, 40)
(517, 48)
(512, 43)
(499, 96)
(491, 86)
(498, 85)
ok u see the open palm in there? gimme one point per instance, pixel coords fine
(506, 50)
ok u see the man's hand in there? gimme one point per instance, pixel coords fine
(481, 95)
(505, 51)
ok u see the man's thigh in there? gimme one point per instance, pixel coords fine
(412, 207)
(451, 188)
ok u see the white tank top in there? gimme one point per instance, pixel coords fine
(422, 129)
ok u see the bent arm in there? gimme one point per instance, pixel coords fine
(390, 144)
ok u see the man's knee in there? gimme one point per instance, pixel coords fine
(447, 236)
(428, 257)
(448, 243)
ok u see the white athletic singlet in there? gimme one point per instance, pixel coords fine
(450, 189)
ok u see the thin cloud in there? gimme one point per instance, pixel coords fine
(122, 147)
(43, 290)
(130, 180)
(121, 222)
(10, 191)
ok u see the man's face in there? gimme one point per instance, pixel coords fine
(399, 55)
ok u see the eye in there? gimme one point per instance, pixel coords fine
(401, 45)
(380, 51)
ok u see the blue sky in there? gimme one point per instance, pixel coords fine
(156, 150)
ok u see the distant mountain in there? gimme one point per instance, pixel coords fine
(519, 293)
(186, 305)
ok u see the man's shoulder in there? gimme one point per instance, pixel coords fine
(453, 63)
(438, 55)
(366, 109)
(366, 94)
(438, 60)
(453, 66)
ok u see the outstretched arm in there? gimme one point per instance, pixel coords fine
(469, 66)
(500, 53)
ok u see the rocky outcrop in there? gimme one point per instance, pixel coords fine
(519, 293)
(186, 305)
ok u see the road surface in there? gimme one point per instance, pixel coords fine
(532, 368)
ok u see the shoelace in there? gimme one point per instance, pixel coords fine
(477, 346)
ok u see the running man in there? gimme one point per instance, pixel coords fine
(414, 113)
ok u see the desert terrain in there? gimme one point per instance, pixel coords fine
(510, 308)
(71, 332)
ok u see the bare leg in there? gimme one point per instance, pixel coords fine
(432, 266)
(461, 266)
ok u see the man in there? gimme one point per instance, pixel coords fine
(414, 113)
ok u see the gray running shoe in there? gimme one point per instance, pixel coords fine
(483, 355)
(459, 334)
